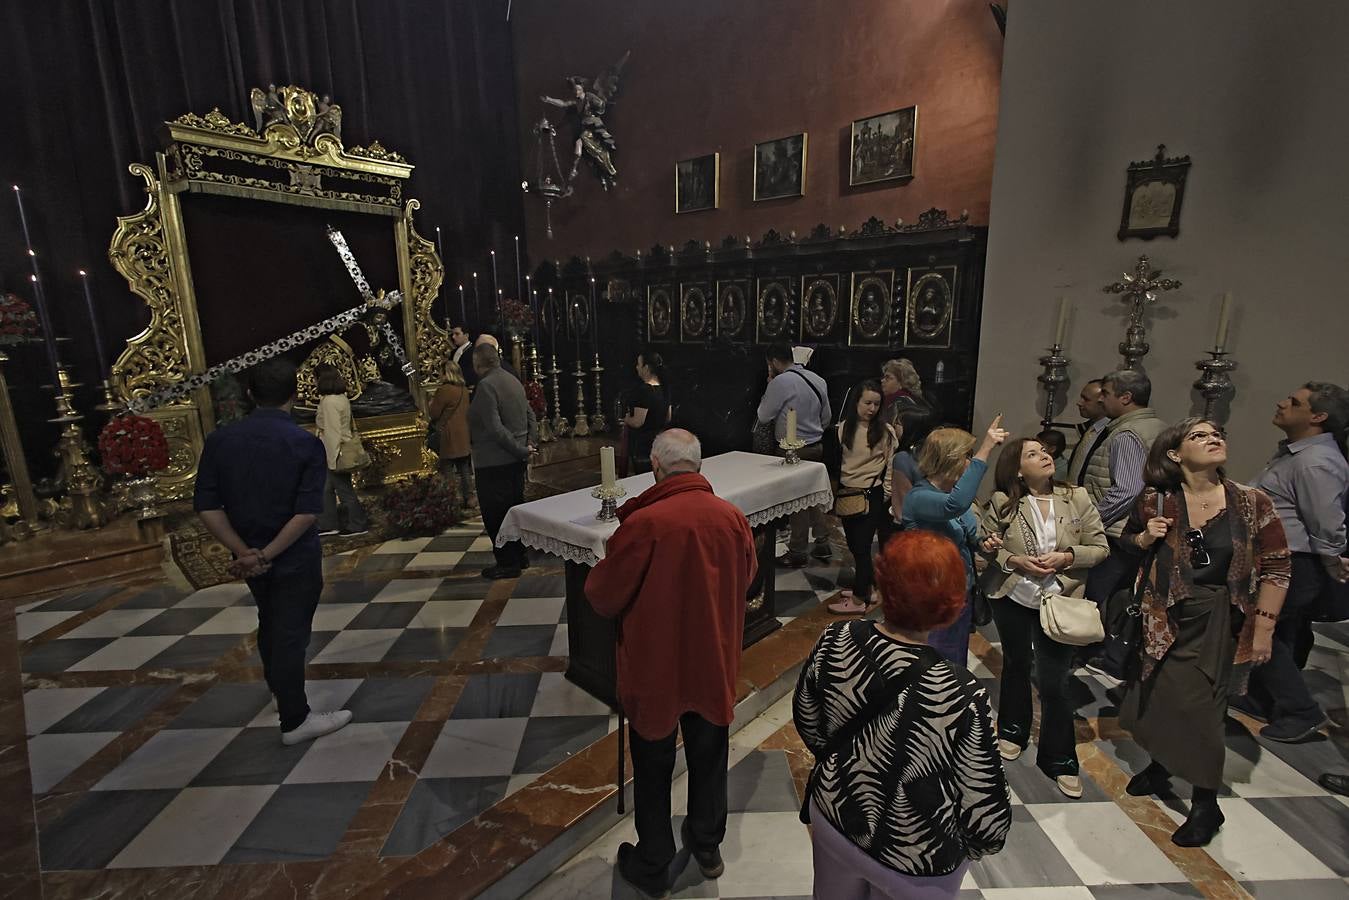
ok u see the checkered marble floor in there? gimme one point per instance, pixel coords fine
(1285, 837)
(152, 741)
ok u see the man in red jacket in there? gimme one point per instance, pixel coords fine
(676, 574)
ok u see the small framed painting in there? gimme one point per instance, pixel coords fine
(773, 311)
(695, 313)
(872, 295)
(780, 168)
(660, 313)
(819, 307)
(732, 308)
(929, 307)
(883, 147)
(1153, 193)
(698, 183)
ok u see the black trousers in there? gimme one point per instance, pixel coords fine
(706, 748)
(859, 531)
(1022, 641)
(1118, 571)
(286, 597)
(500, 488)
(1278, 685)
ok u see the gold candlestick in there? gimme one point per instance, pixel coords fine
(110, 401)
(16, 463)
(597, 423)
(82, 507)
(581, 426)
(560, 425)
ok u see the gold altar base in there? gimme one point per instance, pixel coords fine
(397, 447)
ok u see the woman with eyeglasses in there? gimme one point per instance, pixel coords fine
(1210, 598)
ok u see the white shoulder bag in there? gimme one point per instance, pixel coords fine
(1065, 619)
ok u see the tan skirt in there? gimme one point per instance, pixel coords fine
(1177, 714)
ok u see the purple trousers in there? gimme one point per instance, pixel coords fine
(844, 872)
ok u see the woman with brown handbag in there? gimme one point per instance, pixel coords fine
(449, 414)
(862, 503)
(334, 424)
(1041, 538)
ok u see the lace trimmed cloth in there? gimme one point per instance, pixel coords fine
(761, 487)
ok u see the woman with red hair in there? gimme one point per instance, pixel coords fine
(908, 785)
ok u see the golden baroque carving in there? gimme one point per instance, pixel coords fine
(427, 272)
(376, 150)
(182, 430)
(334, 352)
(215, 120)
(157, 357)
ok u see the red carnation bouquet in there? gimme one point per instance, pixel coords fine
(516, 316)
(18, 322)
(534, 394)
(423, 504)
(133, 445)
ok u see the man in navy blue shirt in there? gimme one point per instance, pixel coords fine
(260, 491)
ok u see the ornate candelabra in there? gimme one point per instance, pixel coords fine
(608, 497)
(581, 426)
(1216, 381)
(1054, 377)
(545, 425)
(21, 483)
(790, 456)
(1139, 289)
(81, 507)
(110, 402)
(597, 420)
(561, 428)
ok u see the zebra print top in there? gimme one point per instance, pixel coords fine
(920, 788)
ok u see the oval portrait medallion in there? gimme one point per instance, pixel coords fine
(731, 310)
(695, 313)
(773, 310)
(660, 314)
(871, 307)
(821, 308)
(929, 307)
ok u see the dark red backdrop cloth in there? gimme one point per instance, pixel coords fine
(85, 85)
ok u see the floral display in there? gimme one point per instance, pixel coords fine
(516, 316)
(18, 322)
(133, 445)
(423, 504)
(534, 394)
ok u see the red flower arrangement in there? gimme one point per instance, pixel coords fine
(516, 316)
(423, 504)
(534, 394)
(18, 322)
(133, 445)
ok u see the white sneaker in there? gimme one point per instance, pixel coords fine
(316, 725)
(1070, 785)
(1008, 750)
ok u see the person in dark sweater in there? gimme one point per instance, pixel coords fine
(504, 434)
(648, 409)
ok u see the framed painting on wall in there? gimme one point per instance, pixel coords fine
(780, 168)
(819, 307)
(929, 307)
(1153, 191)
(869, 320)
(660, 313)
(732, 309)
(695, 320)
(773, 311)
(883, 147)
(698, 183)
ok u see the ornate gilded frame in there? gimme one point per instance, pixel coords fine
(295, 156)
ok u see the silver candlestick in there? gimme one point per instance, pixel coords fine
(597, 421)
(608, 497)
(545, 424)
(1054, 377)
(789, 448)
(581, 424)
(561, 428)
(1216, 382)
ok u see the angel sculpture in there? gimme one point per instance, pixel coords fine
(267, 107)
(589, 105)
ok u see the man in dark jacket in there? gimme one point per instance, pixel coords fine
(676, 573)
(504, 433)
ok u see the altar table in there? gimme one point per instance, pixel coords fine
(762, 487)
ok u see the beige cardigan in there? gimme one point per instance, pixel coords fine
(333, 423)
(1079, 529)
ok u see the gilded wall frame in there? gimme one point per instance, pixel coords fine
(294, 156)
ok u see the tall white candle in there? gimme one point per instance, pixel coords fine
(608, 474)
(1224, 319)
(1063, 322)
(791, 425)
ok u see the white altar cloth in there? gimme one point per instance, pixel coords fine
(762, 487)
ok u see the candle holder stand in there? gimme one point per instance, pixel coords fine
(561, 428)
(789, 448)
(20, 488)
(81, 507)
(608, 497)
(1054, 377)
(581, 425)
(1216, 382)
(545, 424)
(110, 402)
(598, 425)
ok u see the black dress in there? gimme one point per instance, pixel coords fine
(654, 399)
(1177, 714)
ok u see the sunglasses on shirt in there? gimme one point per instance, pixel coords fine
(1198, 552)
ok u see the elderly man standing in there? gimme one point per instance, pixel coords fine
(676, 574)
(792, 386)
(504, 433)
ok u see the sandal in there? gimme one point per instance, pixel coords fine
(848, 605)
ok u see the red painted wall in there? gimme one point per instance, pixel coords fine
(721, 75)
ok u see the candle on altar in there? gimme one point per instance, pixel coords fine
(576, 327)
(552, 322)
(608, 474)
(440, 247)
(495, 289)
(39, 295)
(463, 310)
(791, 425)
(518, 292)
(498, 303)
(93, 325)
(1224, 320)
(595, 315)
(477, 301)
(534, 308)
(1063, 322)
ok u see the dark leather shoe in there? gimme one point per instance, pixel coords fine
(1286, 732)
(1147, 782)
(1336, 784)
(627, 870)
(792, 560)
(709, 862)
(821, 550)
(497, 573)
(1200, 828)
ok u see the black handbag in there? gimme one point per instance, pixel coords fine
(927, 658)
(1129, 633)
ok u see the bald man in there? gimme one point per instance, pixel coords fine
(489, 340)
